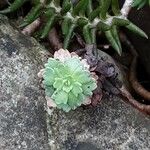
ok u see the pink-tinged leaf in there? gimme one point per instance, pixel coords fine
(50, 102)
(62, 55)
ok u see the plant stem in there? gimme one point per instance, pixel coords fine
(126, 8)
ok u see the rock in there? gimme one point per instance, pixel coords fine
(110, 126)
(142, 19)
(86, 146)
(22, 115)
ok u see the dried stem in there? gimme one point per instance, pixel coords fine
(31, 28)
(139, 89)
(54, 39)
(142, 107)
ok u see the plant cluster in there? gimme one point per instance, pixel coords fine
(67, 80)
(89, 16)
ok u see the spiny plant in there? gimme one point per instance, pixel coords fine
(140, 3)
(89, 16)
(67, 80)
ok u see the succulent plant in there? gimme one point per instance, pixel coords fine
(140, 3)
(67, 80)
(88, 15)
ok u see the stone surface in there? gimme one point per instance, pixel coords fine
(22, 115)
(113, 125)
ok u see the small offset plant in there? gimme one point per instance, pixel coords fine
(89, 16)
(67, 80)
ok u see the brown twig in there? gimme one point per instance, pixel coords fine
(54, 39)
(31, 28)
(80, 40)
(139, 89)
(142, 107)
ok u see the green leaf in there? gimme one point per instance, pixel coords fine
(120, 21)
(89, 7)
(60, 97)
(67, 88)
(49, 76)
(48, 26)
(115, 33)
(87, 34)
(89, 87)
(73, 64)
(52, 63)
(80, 8)
(66, 25)
(136, 3)
(72, 100)
(64, 107)
(58, 84)
(32, 15)
(103, 26)
(49, 90)
(13, 7)
(140, 3)
(115, 7)
(66, 6)
(81, 98)
(69, 35)
(76, 89)
(104, 9)
(112, 40)
(132, 27)
(82, 21)
(83, 77)
(94, 13)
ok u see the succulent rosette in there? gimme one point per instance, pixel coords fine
(67, 80)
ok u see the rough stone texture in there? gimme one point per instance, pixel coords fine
(114, 125)
(22, 115)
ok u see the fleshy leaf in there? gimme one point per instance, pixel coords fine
(49, 76)
(60, 97)
(87, 88)
(49, 90)
(72, 100)
(58, 83)
(64, 107)
(83, 78)
(77, 89)
(136, 30)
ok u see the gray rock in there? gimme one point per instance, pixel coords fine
(22, 115)
(113, 125)
(86, 146)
